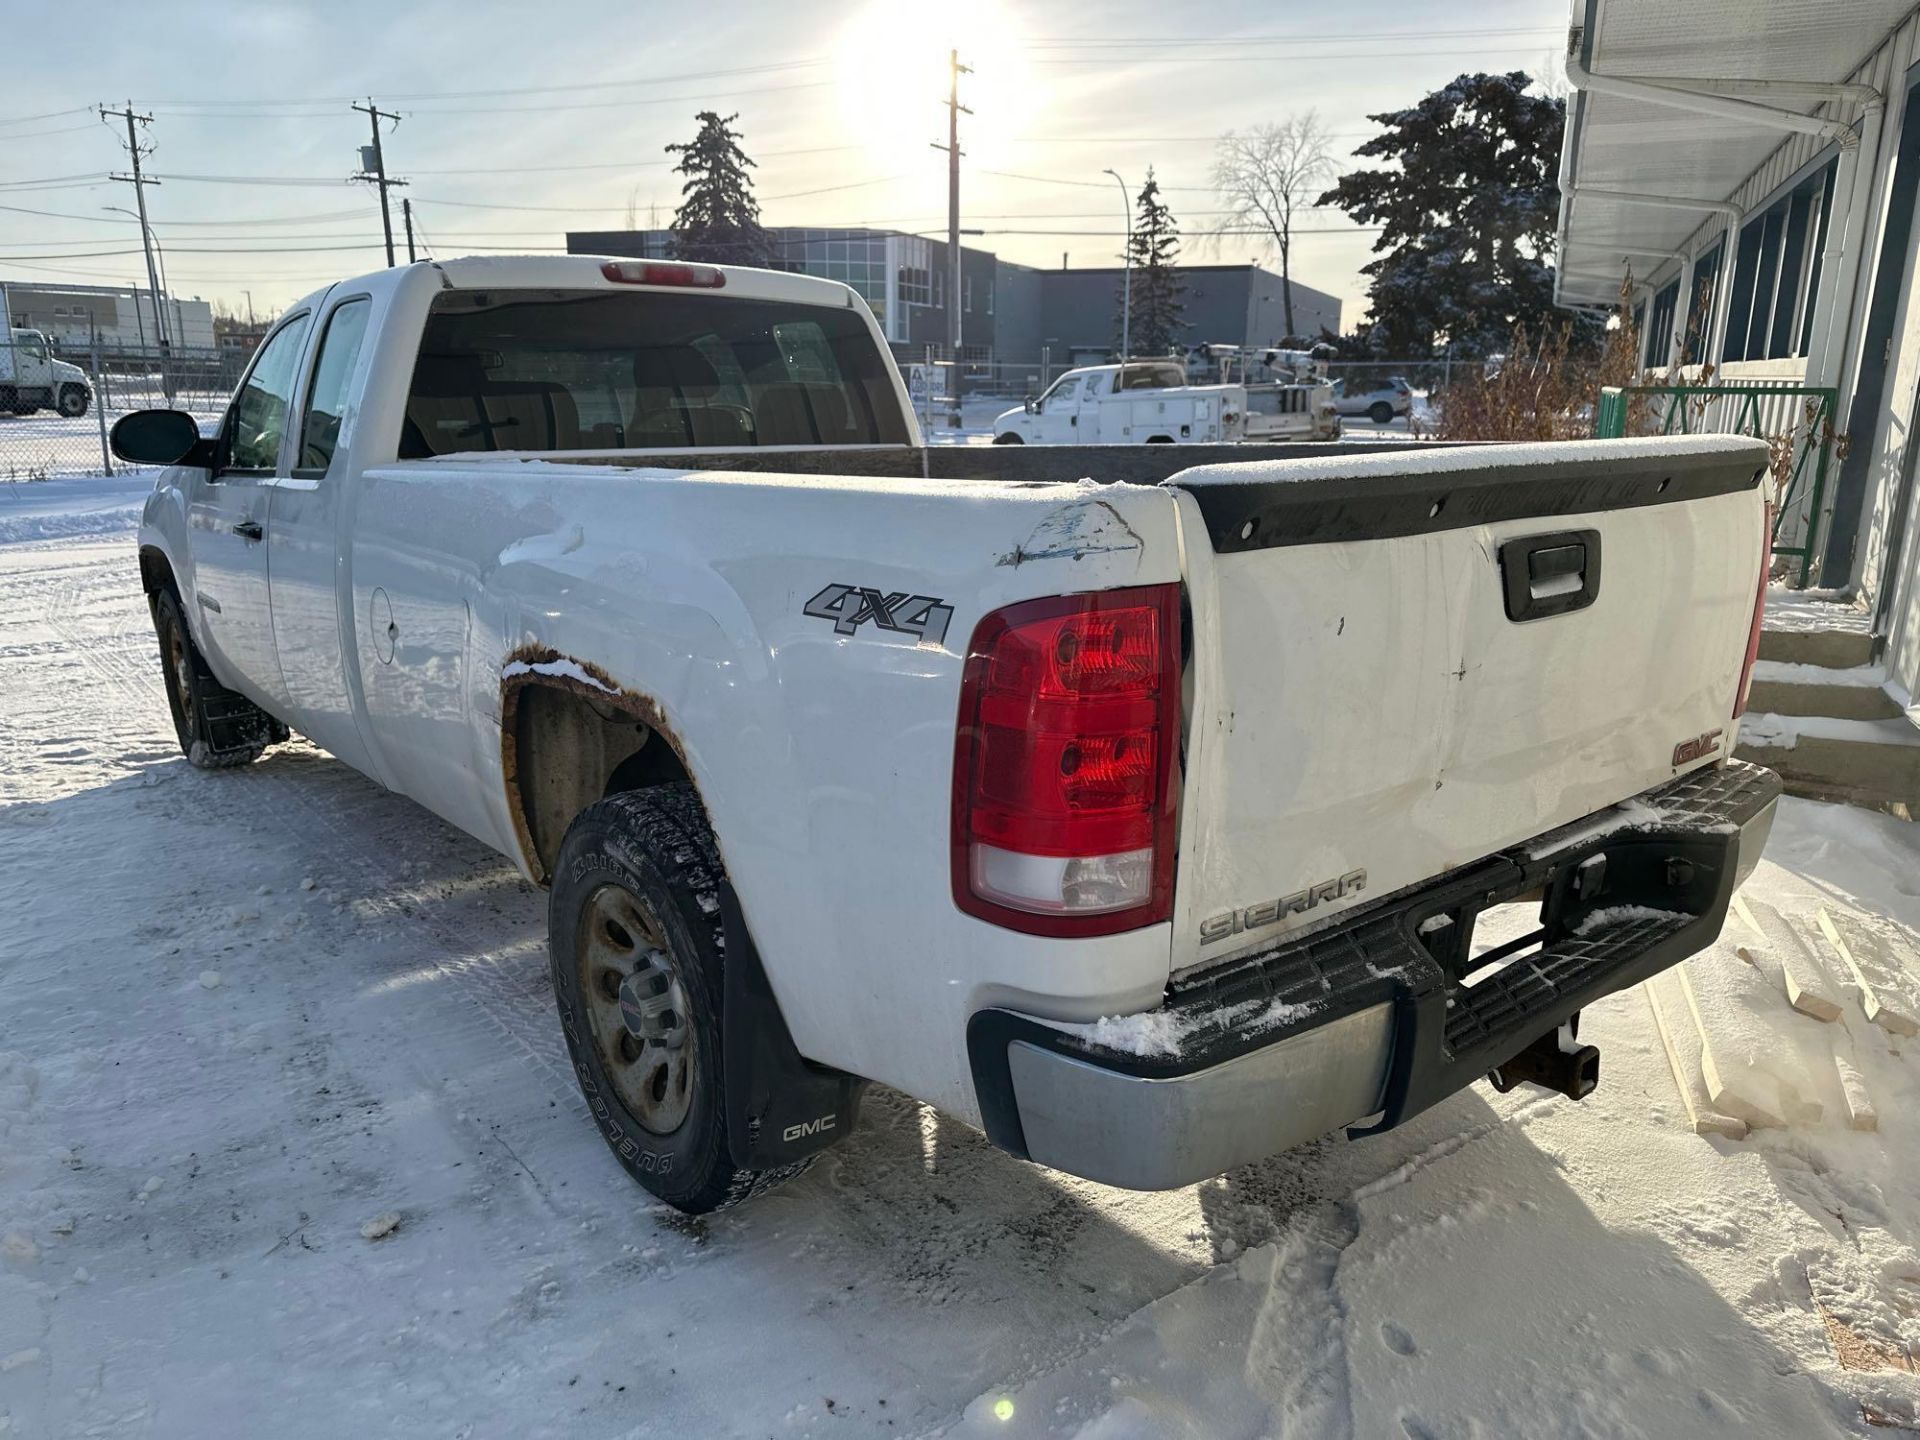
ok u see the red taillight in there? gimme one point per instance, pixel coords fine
(1759, 614)
(1066, 770)
(664, 272)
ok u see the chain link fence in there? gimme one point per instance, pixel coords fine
(58, 401)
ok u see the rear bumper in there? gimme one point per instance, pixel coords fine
(1370, 1021)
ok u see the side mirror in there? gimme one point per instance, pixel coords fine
(155, 437)
(1030, 405)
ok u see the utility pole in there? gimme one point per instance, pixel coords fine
(140, 183)
(1126, 282)
(406, 214)
(954, 284)
(377, 170)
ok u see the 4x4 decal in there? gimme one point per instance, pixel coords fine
(851, 606)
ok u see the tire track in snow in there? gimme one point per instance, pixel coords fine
(479, 966)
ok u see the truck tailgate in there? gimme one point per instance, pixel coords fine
(1402, 663)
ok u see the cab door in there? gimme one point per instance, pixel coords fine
(227, 510)
(309, 525)
(1059, 417)
(1093, 404)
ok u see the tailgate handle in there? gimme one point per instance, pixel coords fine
(1544, 575)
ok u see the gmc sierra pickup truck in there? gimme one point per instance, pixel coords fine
(1152, 809)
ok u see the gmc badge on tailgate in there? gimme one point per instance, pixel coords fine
(1696, 748)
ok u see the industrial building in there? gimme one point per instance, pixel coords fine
(1014, 318)
(122, 318)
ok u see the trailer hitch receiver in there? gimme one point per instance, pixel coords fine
(1555, 1060)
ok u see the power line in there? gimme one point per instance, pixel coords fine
(568, 89)
(46, 115)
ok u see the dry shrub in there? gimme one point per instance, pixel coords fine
(1541, 390)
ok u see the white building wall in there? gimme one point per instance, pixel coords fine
(1887, 444)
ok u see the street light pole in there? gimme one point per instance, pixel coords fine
(1126, 283)
(167, 326)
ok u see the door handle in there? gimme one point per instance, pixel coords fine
(1544, 575)
(248, 530)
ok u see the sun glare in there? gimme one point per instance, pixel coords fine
(890, 69)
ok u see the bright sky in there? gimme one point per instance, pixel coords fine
(523, 121)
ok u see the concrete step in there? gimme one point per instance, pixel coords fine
(1831, 649)
(1874, 763)
(1815, 627)
(1783, 688)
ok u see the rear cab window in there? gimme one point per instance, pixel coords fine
(566, 370)
(1153, 377)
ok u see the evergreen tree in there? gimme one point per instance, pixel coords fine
(1467, 214)
(718, 220)
(1159, 294)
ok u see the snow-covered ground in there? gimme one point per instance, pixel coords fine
(245, 1015)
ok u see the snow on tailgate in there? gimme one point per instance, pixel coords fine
(1466, 459)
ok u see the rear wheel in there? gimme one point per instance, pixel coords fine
(1380, 412)
(638, 962)
(218, 728)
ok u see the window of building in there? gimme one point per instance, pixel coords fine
(966, 293)
(1660, 324)
(1776, 275)
(1697, 323)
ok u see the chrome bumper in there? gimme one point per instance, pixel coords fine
(1377, 1025)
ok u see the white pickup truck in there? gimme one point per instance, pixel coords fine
(1141, 807)
(1144, 402)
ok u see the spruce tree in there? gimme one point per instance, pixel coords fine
(1158, 291)
(718, 220)
(1466, 214)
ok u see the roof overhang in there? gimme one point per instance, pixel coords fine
(1637, 144)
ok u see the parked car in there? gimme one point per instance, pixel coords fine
(1379, 404)
(1140, 403)
(1138, 806)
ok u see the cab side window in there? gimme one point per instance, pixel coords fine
(1064, 395)
(327, 396)
(259, 417)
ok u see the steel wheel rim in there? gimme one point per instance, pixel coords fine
(636, 1008)
(182, 671)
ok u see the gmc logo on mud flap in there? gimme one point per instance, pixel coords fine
(1698, 748)
(807, 1127)
(851, 606)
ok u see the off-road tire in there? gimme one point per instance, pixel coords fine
(218, 728)
(655, 844)
(1380, 412)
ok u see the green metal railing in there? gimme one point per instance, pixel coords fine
(1806, 412)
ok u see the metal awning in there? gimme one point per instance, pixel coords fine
(1648, 147)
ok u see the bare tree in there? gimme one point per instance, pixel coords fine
(1267, 174)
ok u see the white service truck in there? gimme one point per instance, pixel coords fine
(31, 379)
(1143, 402)
(1139, 807)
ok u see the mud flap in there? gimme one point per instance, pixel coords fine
(781, 1107)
